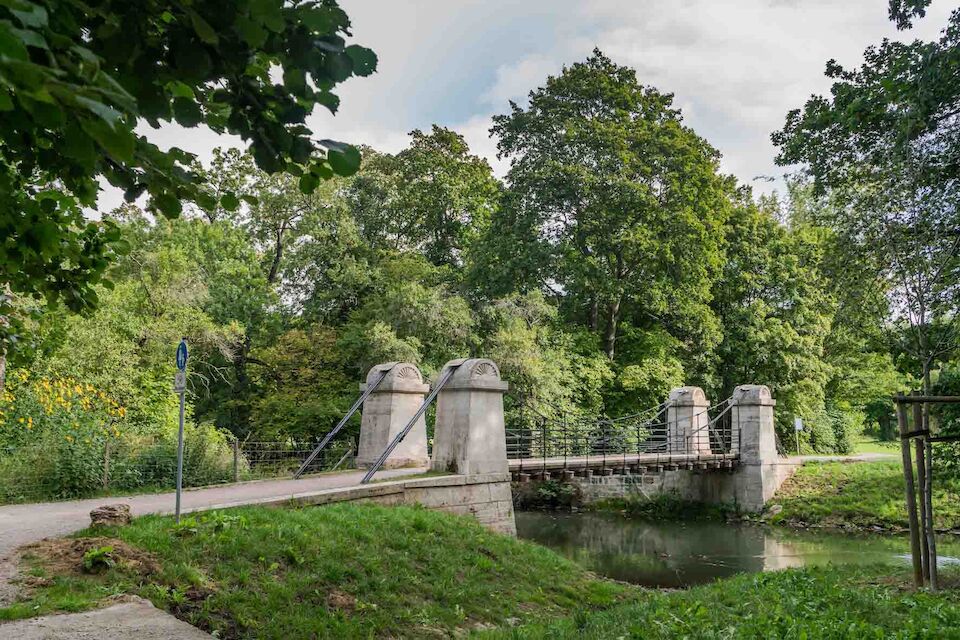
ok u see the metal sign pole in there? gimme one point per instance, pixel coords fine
(180, 386)
(797, 428)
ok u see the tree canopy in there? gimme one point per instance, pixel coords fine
(77, 79)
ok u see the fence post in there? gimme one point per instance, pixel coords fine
(106, 466)
(915, 553)
(236, 460)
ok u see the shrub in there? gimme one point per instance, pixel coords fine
(547, 494)
(61, 438)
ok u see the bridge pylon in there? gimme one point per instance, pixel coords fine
(387, 410)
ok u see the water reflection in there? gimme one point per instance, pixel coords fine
(671, 554)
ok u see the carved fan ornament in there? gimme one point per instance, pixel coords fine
(485, 370)
(409, 372)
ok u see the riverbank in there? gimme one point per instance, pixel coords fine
(866, 496)
(353, 570)
(345, 571)
(822, 602)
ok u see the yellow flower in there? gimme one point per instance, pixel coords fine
(20, 420)
(69, 438)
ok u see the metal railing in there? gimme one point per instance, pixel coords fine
(647, 437)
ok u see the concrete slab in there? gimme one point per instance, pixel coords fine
(135, 618)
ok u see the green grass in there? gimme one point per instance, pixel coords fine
(360, 571)
(859, 495)
(826, 602)
(343, 571)
(868, 444)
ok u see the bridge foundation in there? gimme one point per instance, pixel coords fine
(385, 413)
(760, 472)
(735, 464)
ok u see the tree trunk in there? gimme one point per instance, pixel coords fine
(610, 337)
(277, 255)
(594, 313)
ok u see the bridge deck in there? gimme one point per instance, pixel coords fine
(617, 461)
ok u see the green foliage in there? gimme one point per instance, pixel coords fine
(664, 506)
(433, 197)
(823, 602)
(547, 495)
(601, 203)
(614, 264)
(98, 560)
(75, 79)
(304, 388)
(252, 580)
(883, 147)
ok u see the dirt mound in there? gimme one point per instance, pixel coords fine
(66, 556)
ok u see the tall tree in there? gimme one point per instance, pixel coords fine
(886, 147)
(434, 197)
(614, 204)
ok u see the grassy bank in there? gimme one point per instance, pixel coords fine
(807, 603)
(357, 571)
(867, 495)
(341, 571)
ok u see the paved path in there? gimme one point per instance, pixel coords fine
(22, 524)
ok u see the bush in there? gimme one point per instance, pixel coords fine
(547, 495)
(60, 438)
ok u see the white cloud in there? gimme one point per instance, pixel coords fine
(735, 66)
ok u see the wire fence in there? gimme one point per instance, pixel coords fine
(41, 473)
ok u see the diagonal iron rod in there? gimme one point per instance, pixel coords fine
(403, 433)
(326, 440)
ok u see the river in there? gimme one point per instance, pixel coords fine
(680, 554)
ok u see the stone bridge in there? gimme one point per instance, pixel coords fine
(724, 453)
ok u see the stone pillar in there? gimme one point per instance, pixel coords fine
(386, 412)
(470, 440)
(687, 421)
(757, 476)
(470, 437)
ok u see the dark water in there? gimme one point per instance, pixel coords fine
(672, 554)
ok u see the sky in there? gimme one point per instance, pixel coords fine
(736, 67)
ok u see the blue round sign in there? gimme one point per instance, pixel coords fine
(182, 355)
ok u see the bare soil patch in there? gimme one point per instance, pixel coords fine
(64, 556)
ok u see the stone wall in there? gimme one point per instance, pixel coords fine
(486, 497)
(716, 486)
